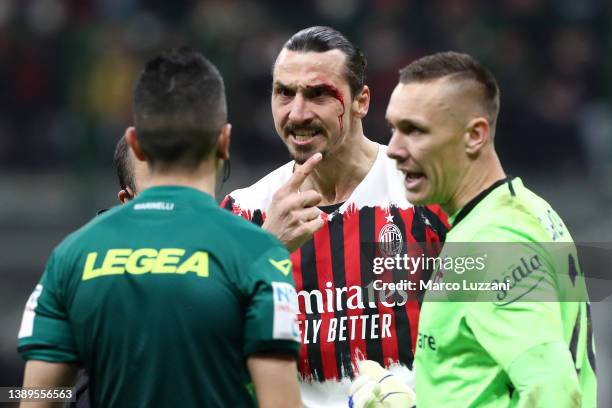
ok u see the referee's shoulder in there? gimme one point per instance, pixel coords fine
(243, 232)
(89, 229)
(69, 250)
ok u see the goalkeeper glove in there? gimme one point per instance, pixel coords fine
(376, 387)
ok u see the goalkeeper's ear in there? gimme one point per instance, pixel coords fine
(477, 136)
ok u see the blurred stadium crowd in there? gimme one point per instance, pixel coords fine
(67, 69)
(70, 66)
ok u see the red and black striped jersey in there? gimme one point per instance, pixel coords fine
(342, 317)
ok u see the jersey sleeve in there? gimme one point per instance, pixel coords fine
(256, 216)
(437, 223)
(508, 322)
(272, 307)
(45, 332)
(440, 218)
(228, 204)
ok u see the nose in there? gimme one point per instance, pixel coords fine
(397, 150)
(300, 111)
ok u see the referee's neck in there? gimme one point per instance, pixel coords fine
(202, 178)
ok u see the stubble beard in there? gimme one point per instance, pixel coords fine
(301, 155)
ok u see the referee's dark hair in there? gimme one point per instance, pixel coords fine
(322, 39)
(179, 108)
(458, 67)
(123, 165)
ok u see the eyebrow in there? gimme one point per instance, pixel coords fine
(278, 84)
(320, 87)
(408, 124)
(323, 88)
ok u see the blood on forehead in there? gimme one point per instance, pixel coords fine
(332, 90)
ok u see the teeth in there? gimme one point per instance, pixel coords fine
(304, 134)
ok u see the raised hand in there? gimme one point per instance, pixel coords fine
(293, 216)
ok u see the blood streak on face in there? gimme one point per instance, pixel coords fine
(335, 93)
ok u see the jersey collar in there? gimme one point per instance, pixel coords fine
(173, 191)
(463, 212)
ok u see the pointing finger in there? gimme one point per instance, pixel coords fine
(300, 174)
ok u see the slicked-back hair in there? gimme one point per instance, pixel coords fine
(123, 165)
(179, 108)
(459, 67)
(322, 39)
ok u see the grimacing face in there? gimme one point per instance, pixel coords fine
(428, 123)
(311, 101)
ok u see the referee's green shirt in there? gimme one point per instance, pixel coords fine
(161, 300)
(468, 342)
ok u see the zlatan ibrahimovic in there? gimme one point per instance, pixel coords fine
(318, 101)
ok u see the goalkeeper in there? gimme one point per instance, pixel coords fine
(529, 344)
(157, 299)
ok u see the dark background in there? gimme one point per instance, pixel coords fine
(67, 68)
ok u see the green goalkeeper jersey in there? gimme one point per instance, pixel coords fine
(161, 300)
(479, 349)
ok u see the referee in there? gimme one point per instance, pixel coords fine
(169, 300)
(529, 343)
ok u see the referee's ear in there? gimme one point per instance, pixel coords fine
(132, 141)
(223, 143)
